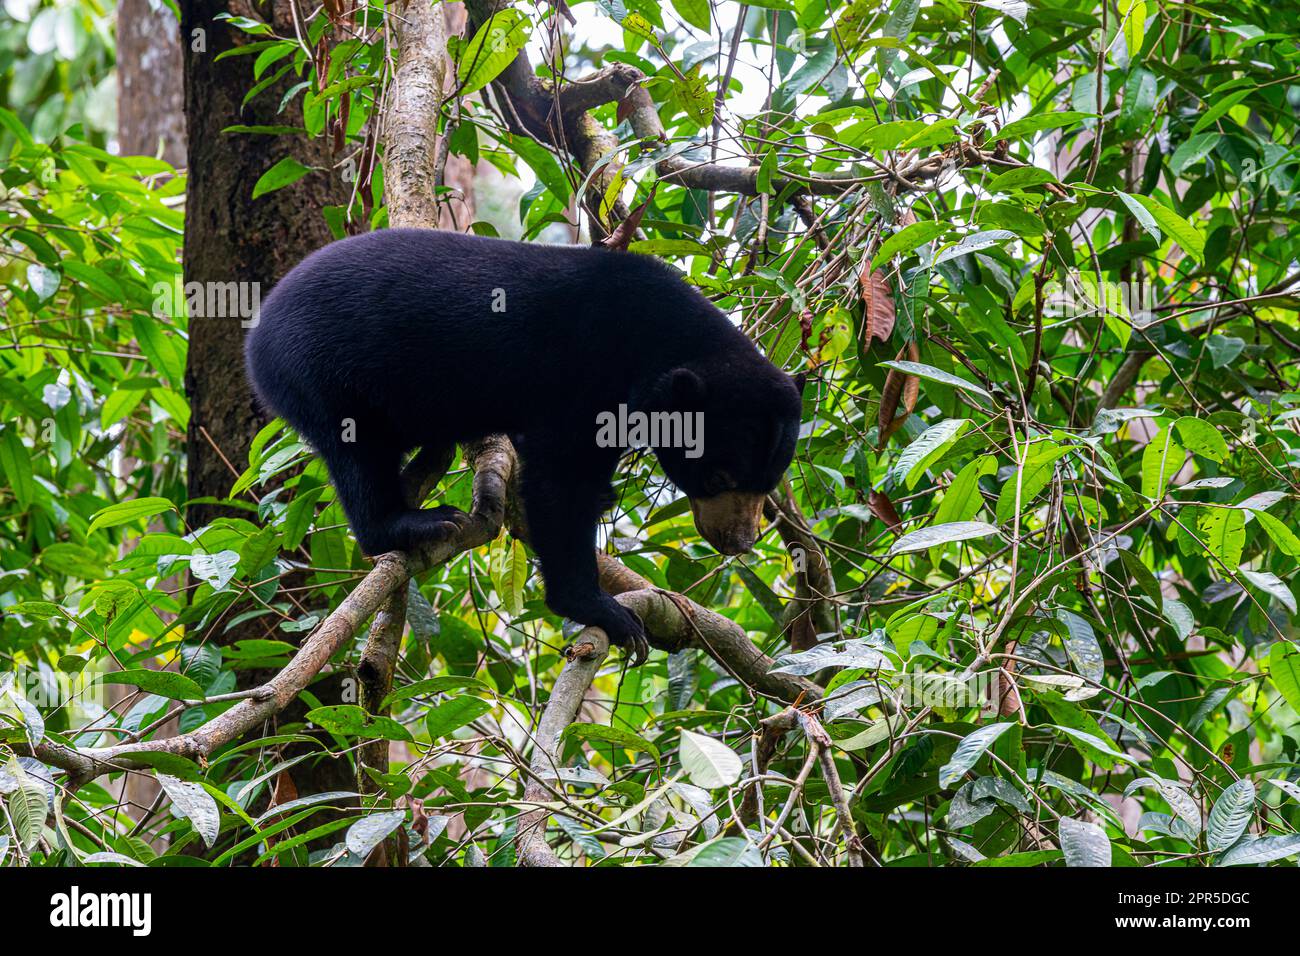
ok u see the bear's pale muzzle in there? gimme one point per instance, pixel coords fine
(729, 521)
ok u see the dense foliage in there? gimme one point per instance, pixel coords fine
(1045, 292)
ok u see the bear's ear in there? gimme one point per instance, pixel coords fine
(686, 387)
(799, 380)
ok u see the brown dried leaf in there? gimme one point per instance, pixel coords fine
(890, 396)
(899, 387)
(285, 789)
(884, 509)
(322, 62)
(878, 321)
(912, 387)
(625, 231)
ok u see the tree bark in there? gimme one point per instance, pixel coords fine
(150, 107)
(231, 237)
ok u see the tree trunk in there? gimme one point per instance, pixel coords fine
(231, 237)
(150, 108)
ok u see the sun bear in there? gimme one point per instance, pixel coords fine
(405, 338)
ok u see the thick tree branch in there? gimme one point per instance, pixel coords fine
(674, 623)
(493, 461)
(585, 657)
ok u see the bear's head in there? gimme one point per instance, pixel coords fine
(747, 428)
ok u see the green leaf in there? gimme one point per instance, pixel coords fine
(1139, 212)
(1033, 477)
(709, 763)
(44, 282)
(132, 510)
(1225, 534)
(1286, 540)
(1271, 584)
(16, 464)
(1083, 843)
(728, 851)
(932, 374)
(369, 831)
(349, 720)
(1193, 149)
(962, 501)
(247, 24)
(1143, 576)
(435, 685)
(637, 25)
(1219, 106)
(492, 48)
(1133, 26)
(694, 12)
(969, 751)
(908, 239)
(1262, 850)
(454, 714)
(163, 683)
(975, 242)
(1179, 800)
(1179, 229)
(1026, 177)
(28, 805)
(1030, 125)
(767, 170)
(696, 96)
(283, 173)
(1201, 438)
(1010, 215)
(509, 573)
(937, 534)
(36, 609)
(881, 137)
(928, 448)
(1230, 815)
(1081, 644)
(1161, 460)
(1284, 672)
(611, 735)
(194, 803)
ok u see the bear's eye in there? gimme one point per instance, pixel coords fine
(718, 482)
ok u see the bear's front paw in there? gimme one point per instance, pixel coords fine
(625, 630)
(426, 529)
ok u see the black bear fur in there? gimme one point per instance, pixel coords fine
(396, 331)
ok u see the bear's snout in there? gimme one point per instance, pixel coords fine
(729, 521)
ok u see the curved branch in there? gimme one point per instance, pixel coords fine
(585, 657)
(674, 622)
(493, 461)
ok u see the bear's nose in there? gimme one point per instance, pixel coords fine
(729, 521)
(732, 542)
